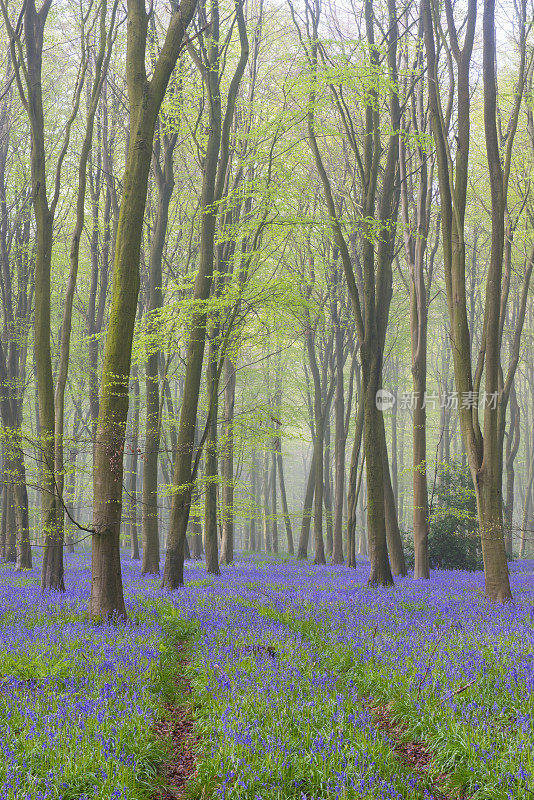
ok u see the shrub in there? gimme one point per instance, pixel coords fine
(453, 541)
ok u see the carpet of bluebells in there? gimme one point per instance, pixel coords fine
(286, 663)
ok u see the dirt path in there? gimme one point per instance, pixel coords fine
(415, 754)
(177, 725)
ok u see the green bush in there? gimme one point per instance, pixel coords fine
(453, 541)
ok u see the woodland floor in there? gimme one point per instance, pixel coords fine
(276, 680)
(177, 727)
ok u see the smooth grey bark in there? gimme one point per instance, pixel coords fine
(213, 179)
(144, 97)
(302, 552)
(266, 500)
(354, 480)
(277, 449)
(378, 210)
(393, 534)
(227, 546)
(162, 166)
(133, 532)
(512, 448)
(340, 434)
(328, 491)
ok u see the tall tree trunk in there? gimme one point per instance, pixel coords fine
(420, 487)
(211, 469)
(213, 178)
(254, 500)
(283, 495)
(227, 548)
(512, 446)
(484, 453)
(376, 278)
(302, 552)
(328, 492)
(415, 247)
(3, 527)
(320, 410)
(393, 535)
(132, 482)
(339, 448)
(394, 452)
(145, 98)
(488, 477)
(164, 175)
(266, 510)
(101, 62)
(10, 524)
(353, 484)
(20, 499)
(70, 493)
(318, 541)
(380, 574)
(274, 496)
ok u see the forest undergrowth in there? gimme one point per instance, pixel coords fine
(289, 667)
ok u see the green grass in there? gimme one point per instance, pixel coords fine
(79, 701)
(284, 726)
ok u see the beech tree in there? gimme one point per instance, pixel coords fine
(483, 447)
(213, 180)
(378, 227)
(145, 96)
(26, 42)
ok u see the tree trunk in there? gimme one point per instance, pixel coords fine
(214, 172)
(211, 468)
(339, 451)
(227, 549)
(319, 556)
(302, 552)
(394, 452)
(254, 500)
(10, 525)
(283, 496)
(484, 453)
(145, 99)
(266, 511)
(274, 496)
(362, 510)
(3, 530)
(393, 535)
(165, 182)
(20, 499)
(525, 534)
(101, 62)
(488, 478)
(106, 588)
(420, 487)
(132, 481)
(512, 446)
(196, 536)
(380, 570)
(353, 488)
(328, 492)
